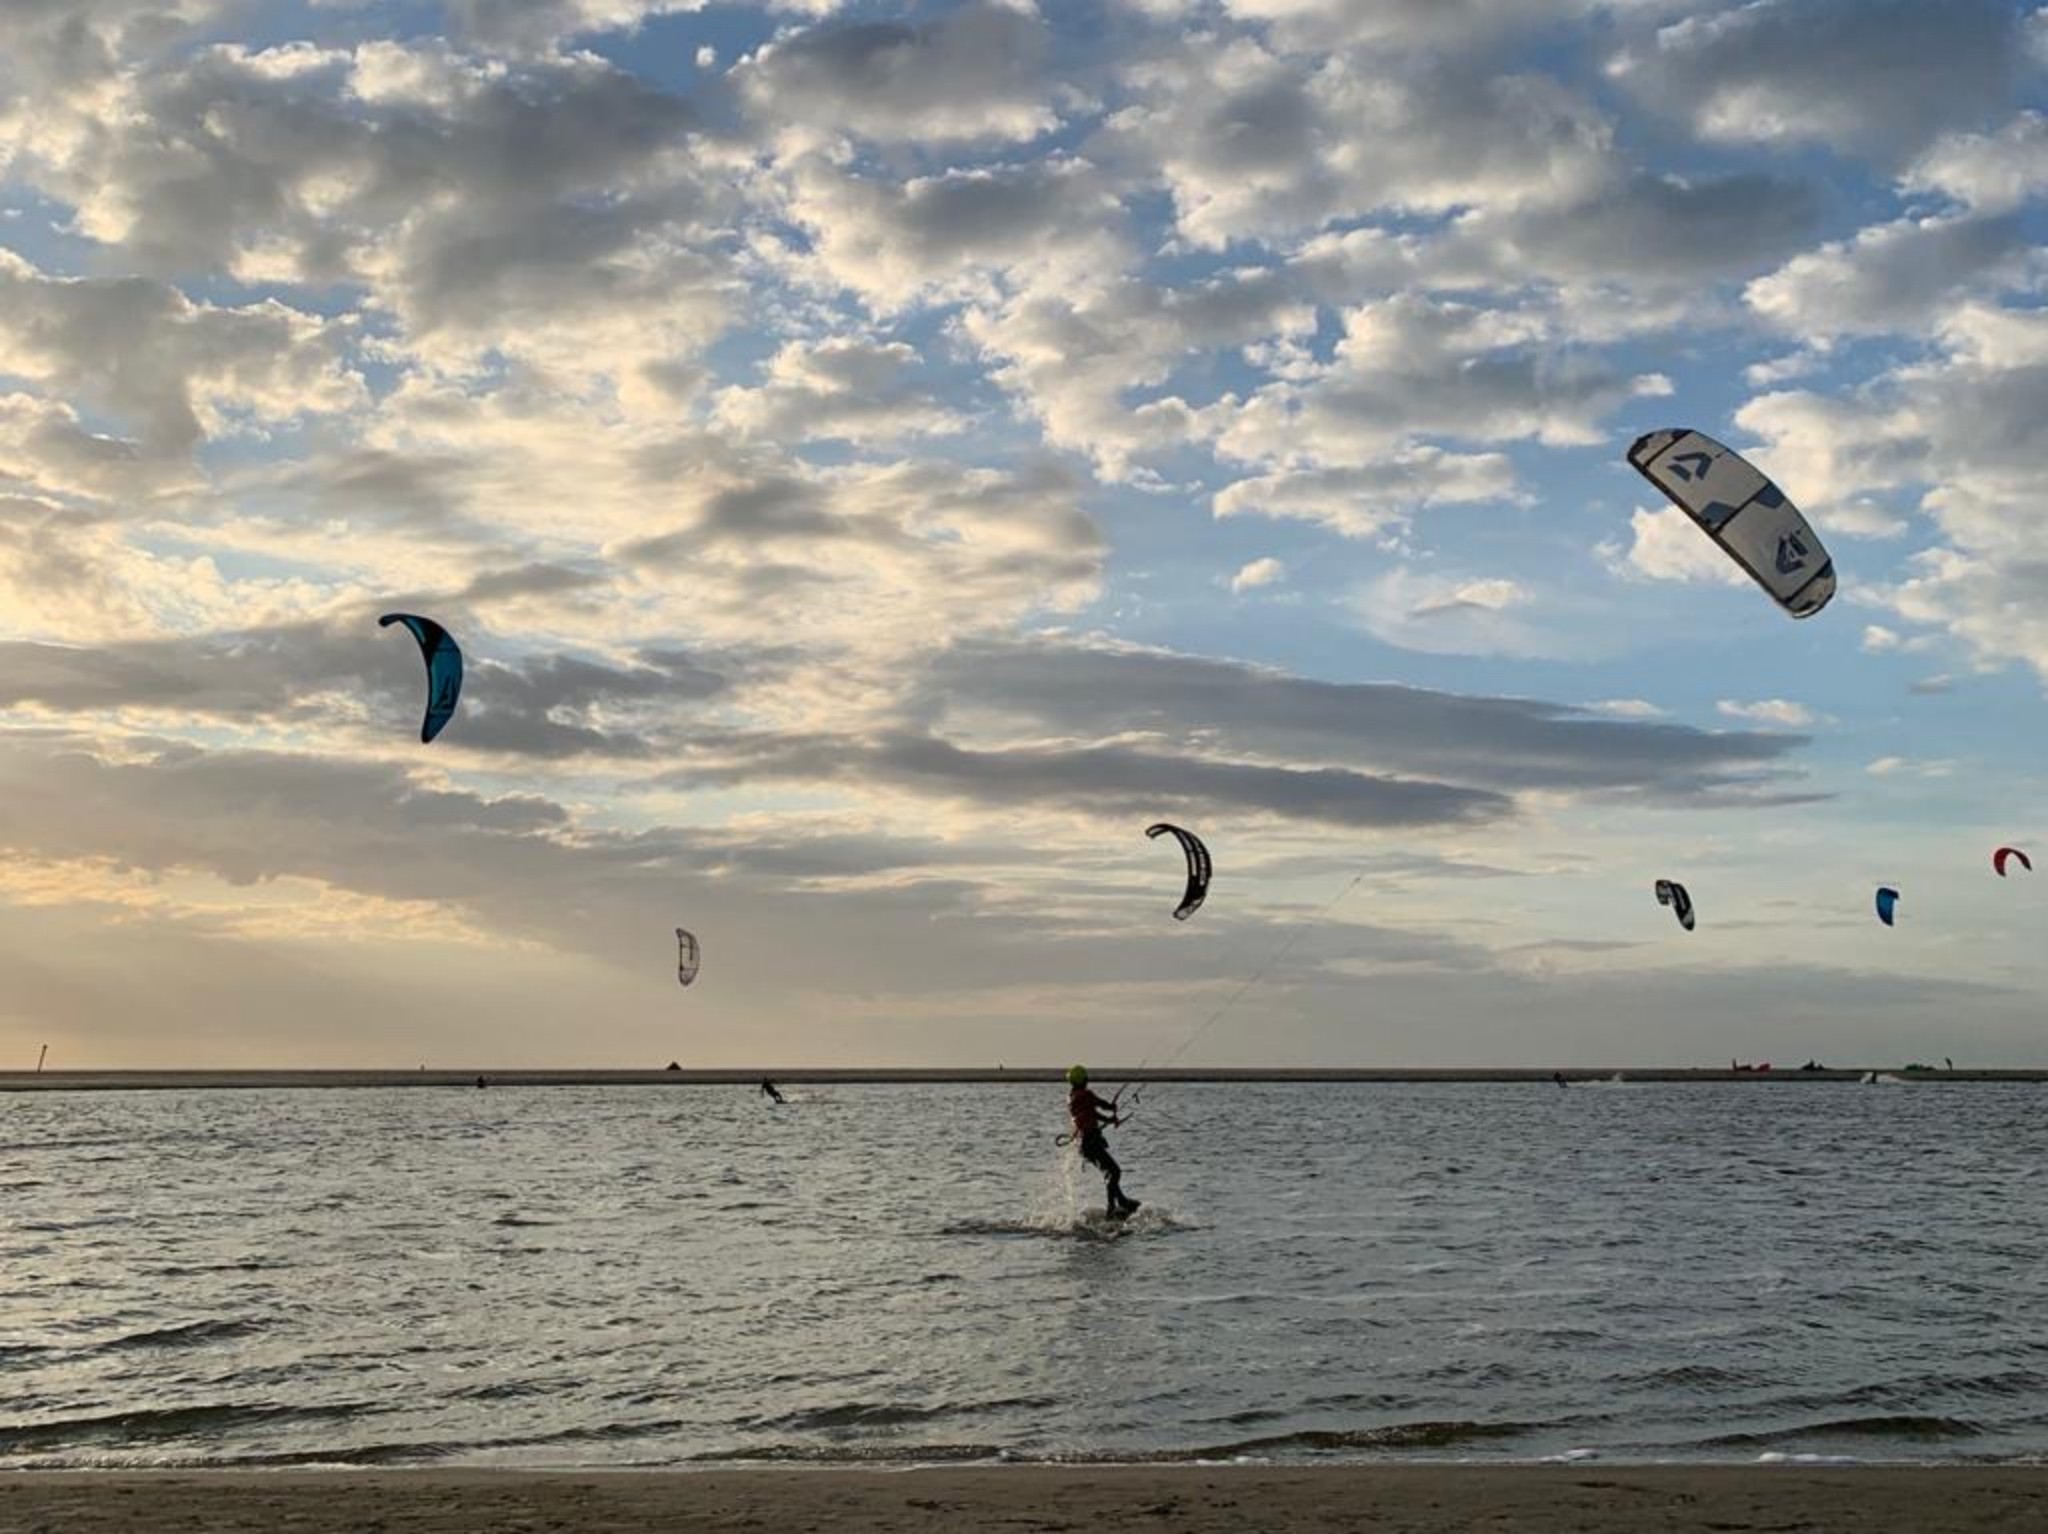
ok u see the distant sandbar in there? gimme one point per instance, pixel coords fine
(136, 1081)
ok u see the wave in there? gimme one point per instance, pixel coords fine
(167, 1422)
(1396, 1435)
(872, 1414)
(1921, 1429)
(191, 1334)
(845, 1454)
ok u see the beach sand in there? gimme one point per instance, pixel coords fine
(1387, 1499)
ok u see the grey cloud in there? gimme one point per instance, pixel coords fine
(1870, 77)
(977, 72)
(1465, 24)
(1412, 366)
(162, 363)
(893, 241)
(1254, 145)
(544, 708)
(1646, 231)
(510, 203)
(1503, 745)
(1100, 780)
(536, 26)
(846, 387)
(1892, 277)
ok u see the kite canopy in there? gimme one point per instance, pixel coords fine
(2005, 855)
(444, 669)
(1198, 868)
(1887, 903)
(688, 955)
(1670, 892)
(1742, 511)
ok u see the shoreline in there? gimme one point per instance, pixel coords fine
(1587, 1497)
(466, 1077)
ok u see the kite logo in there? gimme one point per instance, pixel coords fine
(1701, 462)
(1791, 554)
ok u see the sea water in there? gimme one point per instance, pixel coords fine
(683, 1275)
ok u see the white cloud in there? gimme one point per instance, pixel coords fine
(1628, 708)
(1374, 498)
(1460, 615)
(1768, 711)
(1667, 545)
(1412, 366)
(1893, 277)
(1989, 173)
(1260, 572)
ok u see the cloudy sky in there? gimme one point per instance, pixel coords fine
(877, 458)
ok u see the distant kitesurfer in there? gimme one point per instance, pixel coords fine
(1948, 1063)
(481, 1083)
(768, 1090)
(1090, 1113)
(1558, 1077)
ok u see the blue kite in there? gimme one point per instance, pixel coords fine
(444, 669)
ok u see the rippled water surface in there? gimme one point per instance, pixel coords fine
(667, 1275)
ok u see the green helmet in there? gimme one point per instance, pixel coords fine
(1077, 1075)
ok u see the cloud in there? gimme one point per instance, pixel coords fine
(1878, 78)
(975, 73)
(847, 387)
(1504, 745)
(458, 193)
(1416, 366)
(1627, 708)
(1668, 546)
(1956, 432)
(173, 371)
(1987, 173)
(537, 26)
(1367, 501)
(1796, 716)
(1114, 780)
(1644, 232)
(1893, 277)
(1260, 572)
(1251, 144)
(332, 682)
(955, 234)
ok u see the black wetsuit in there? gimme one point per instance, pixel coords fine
(1085, 1107)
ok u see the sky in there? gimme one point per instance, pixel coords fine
(877, 459)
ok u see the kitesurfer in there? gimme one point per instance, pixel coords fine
(1090, 1114)
(768, 1090)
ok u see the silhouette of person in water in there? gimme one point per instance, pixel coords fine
(1090, 1113)
(1558, 1077)
(768, 1090)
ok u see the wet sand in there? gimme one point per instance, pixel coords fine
(1387, 1499)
